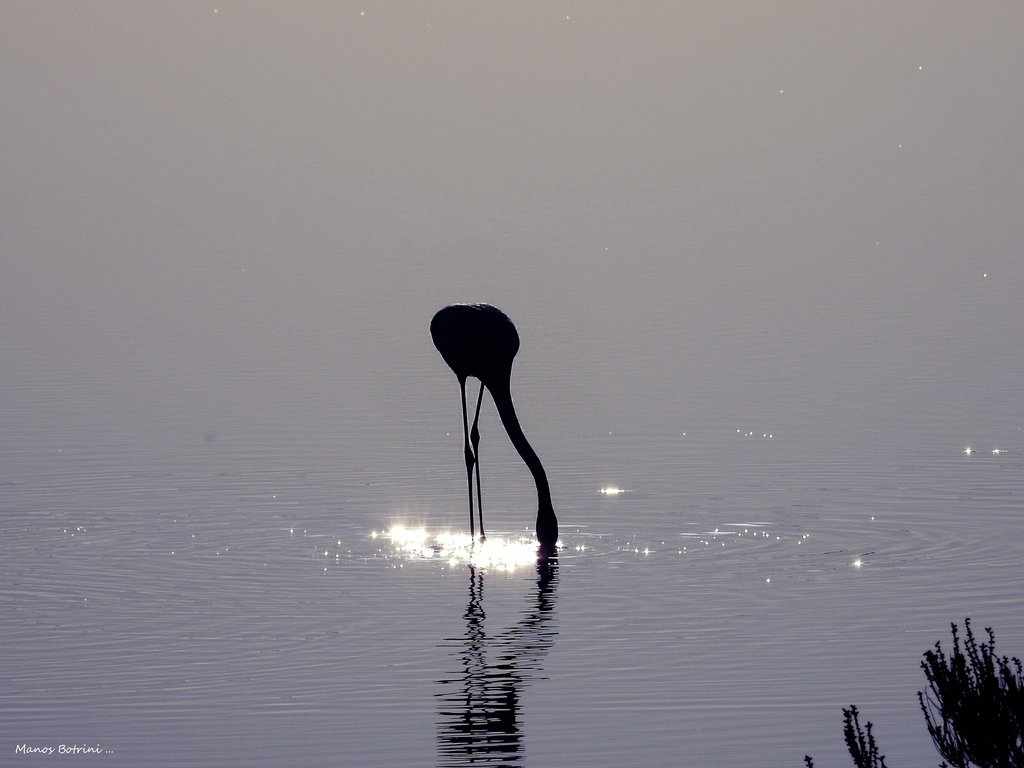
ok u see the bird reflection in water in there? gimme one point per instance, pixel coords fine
(480, 710)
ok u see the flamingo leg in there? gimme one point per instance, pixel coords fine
(474, 437)
(470, 457)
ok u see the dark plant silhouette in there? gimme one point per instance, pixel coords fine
(974, 704)
(860, 742)
(973, 708)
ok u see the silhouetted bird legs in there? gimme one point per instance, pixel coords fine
(474, 438)
(470, 458)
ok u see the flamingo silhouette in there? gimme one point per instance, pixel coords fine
(479, 341)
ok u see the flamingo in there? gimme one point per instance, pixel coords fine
(479, 341)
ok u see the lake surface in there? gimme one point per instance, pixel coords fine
(227, 595)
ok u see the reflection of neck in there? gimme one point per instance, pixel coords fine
(547, 524)
(547, 578)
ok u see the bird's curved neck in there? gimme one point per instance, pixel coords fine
(547, 524)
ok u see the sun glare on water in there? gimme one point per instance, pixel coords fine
(498, 552)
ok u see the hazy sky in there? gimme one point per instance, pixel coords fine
(701, 209)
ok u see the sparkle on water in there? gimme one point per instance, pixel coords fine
(612, 490)
(499, 552)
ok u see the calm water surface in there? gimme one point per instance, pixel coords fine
(225, 603)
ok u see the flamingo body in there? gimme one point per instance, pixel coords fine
(476, 340)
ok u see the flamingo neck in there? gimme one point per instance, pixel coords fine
(547, 523)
